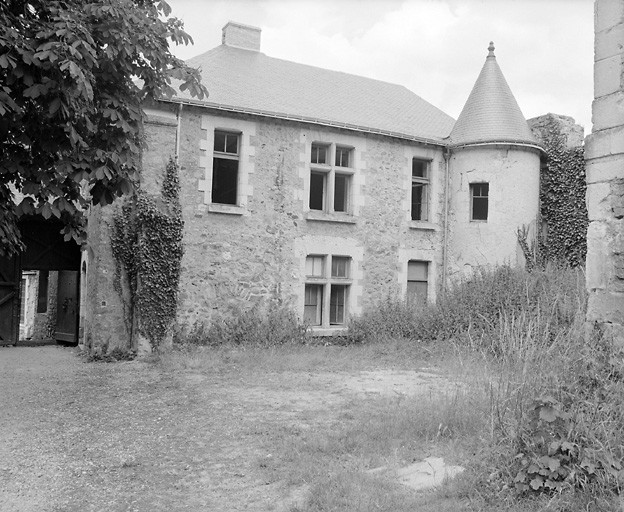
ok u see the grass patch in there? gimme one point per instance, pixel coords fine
(534, 408)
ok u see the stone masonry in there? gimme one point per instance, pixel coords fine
(605, 173)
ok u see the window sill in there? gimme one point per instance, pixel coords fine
(335, 330)
(341, 218)
(422, 225)
(228, 209)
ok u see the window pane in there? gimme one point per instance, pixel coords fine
(231, 143)
(417, 270)
(342, 157)
(312, 305)
(319, 154)
(337, 304)
(480, 208)
(419, 201)
(416, 292)
(317, 190)
(419, 168)
(314, 266)
(224, 180)
(219, 142)
(340, 266)
(340, 193)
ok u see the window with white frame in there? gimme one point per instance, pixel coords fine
(331, 175)
(417, 282)
(328, 281)
(420, 189)
(225, 167)
(479, 197)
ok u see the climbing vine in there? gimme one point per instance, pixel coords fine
(562, 198)
(147, 245)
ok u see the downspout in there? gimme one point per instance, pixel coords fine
(179, 119)
(447, 157)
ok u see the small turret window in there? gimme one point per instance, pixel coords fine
(479, 193)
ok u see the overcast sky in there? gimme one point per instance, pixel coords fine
(436, 48)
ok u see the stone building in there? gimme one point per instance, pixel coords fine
(605, 173)
(325, 191)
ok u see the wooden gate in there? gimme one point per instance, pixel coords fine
(67, 307)
(10, 280)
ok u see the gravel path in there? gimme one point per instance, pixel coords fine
(129, 436)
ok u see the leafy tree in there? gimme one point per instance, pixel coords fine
(73, 77)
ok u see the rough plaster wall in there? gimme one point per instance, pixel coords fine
(605, 173)
(513, 177)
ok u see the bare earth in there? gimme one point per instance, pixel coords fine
(129, 436)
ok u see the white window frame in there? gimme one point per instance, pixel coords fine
(330, 170)
(319, 269)
(425, 183)
(471, 188)
(227, 155)
(427, 266)
(246, 130)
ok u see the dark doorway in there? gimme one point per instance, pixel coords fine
(46, 251)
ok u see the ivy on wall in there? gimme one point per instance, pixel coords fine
(146, 241)
(562, 200)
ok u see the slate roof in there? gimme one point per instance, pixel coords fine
(250, 81)
(491, 113)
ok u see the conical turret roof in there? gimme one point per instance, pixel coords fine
(491, 113)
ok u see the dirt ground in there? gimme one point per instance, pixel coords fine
(130, 436)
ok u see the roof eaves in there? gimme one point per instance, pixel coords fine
(522, 143)
(305, 119)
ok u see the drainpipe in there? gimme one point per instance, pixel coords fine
(447, 157)
(179, 119)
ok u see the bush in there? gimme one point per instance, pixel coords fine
(259, 326)
(476, 310)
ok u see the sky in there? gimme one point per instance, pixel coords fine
(435, 48)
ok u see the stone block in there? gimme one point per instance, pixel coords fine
(607, 14)
(604, 169)
(609, 42)
(606, 306)
(608, 76)
(597, 199)
(608, 111)
(604, 142)
(597, 267)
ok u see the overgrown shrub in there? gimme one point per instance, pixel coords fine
(260, 326)
(474, 309)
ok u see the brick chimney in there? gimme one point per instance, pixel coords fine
(241, 36)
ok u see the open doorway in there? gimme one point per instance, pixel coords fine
(40, 288)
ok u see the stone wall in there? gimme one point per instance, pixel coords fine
(605, 173)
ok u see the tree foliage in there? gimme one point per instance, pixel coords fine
(73, 77)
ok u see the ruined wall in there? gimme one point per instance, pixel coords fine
(605, 173)
(513, 177)
(572, 132)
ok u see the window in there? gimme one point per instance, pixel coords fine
(417, 282)
(330, 185)
(420, 189)
(225, 167)
(479, 201)
(328, 280)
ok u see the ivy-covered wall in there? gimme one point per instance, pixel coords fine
(563, 237)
